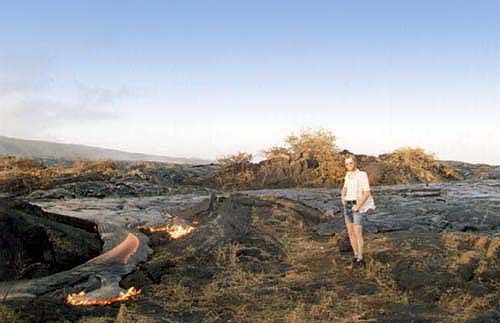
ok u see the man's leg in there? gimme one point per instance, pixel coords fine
(358, 236)
(348, 217)
(352, 239)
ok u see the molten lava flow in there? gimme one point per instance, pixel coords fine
(80, 299)
(123, 251)
(110, 292)
(175, 230)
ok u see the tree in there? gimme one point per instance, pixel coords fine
(318, 144)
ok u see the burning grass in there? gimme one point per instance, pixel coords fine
(80, 299)
(175, 230)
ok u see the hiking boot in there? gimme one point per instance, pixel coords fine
(360, 263)
(354, 263)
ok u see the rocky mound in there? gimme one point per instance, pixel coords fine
(58, 179)
(35, 243)
(325, 168)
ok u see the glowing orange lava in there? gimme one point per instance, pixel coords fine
(122, 252)
(79, 299)
(175, 230)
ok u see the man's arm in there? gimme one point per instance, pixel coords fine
(365, 186)
(344, 192)
(366, 195)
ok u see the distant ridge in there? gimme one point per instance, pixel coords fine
(51, 150)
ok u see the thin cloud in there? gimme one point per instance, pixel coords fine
(23, 75)
(27, 110)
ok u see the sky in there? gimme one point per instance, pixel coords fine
(212, 78)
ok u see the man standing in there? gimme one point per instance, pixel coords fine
(356, 199)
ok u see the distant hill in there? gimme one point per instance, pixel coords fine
(50, 150)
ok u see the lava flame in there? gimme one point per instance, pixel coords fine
(175, 230)
(79, 299)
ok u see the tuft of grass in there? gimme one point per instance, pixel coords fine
(9, 315)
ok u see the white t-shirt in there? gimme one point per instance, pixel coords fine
(356, 182)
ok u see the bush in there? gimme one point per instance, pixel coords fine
(235, 161)
(309, 158)
(412, 165)
(106, 167)
(236, 170)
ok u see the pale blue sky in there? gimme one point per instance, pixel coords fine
(207, 78)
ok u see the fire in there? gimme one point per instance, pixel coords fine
(79, 299)
(175, 230)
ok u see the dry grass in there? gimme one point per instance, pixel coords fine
(9, 315)
(314, 288)
(411, 165)
(22, 175)
(318, 285)
(311, 158)
(309, 280)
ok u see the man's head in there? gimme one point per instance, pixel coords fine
(350, 163)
